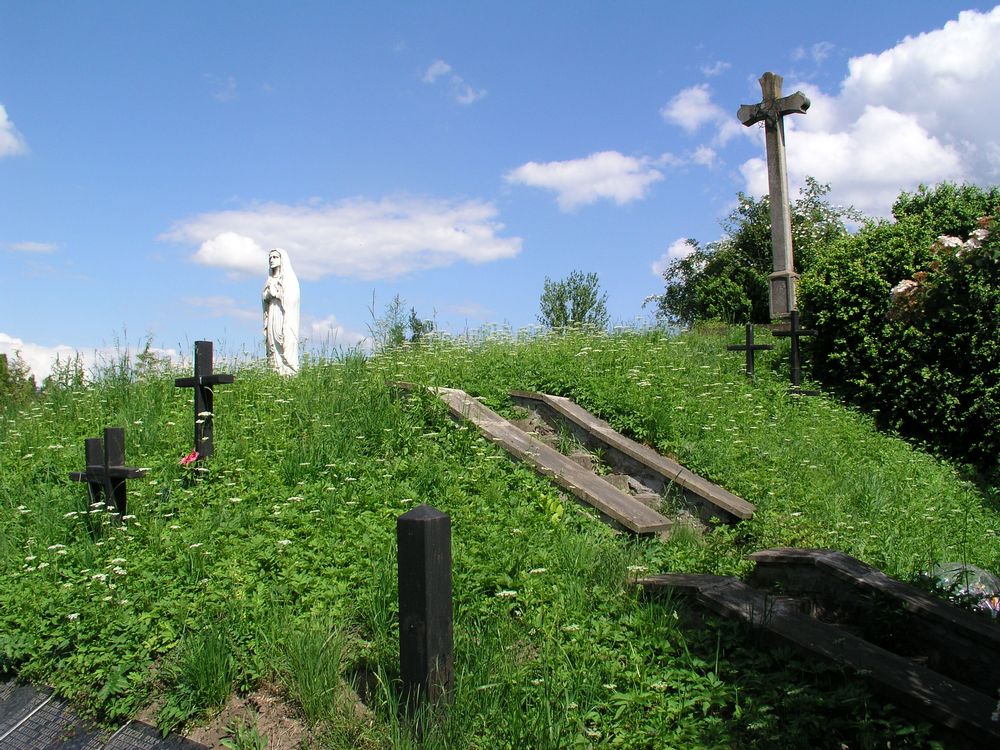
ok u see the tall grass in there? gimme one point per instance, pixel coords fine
(275, 562)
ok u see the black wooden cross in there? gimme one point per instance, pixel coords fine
(750, 348)
(106, 470)
(794, 333)
(202, 383)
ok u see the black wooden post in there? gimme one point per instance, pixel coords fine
(204, 405)
(426, 651)
(750, 348)
(794, 333)
(106, 470)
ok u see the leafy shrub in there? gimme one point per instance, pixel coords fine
(576, 300)
(908, 319)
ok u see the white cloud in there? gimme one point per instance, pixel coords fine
(681, 248)
(32, 247)
(578, 182)
(329, 332)
(704, 156)
(12, 143)
(461, 91)
(692, 108)
(223, 307)
(38, 357)
(224, 88)
(437, 69)
(361, 239)
(817, 52)
(920, 112)
(717, 68)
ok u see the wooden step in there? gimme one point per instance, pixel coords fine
(957, 643)
(584, 484)
(595, 433)
(908, 684)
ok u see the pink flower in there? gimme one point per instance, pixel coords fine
(190, 458)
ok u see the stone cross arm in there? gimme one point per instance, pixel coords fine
(774, 106)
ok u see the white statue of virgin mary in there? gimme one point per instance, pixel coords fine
(281, 314)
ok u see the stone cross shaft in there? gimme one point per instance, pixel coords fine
(771, 111)
(202, 383)
(106, 470)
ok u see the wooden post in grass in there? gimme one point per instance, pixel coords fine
(426, 651)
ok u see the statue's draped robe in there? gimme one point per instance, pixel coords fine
(281, 317)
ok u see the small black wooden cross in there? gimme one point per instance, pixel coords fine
(750, 348)
(106, 470)
(202, 383)
(794, 333)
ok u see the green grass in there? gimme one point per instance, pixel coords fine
(275, 562)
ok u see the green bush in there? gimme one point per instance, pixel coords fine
(908, 314)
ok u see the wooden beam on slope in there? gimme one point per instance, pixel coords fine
(584, 484)
(712, 499)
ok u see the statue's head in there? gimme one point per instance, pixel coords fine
(274, 259)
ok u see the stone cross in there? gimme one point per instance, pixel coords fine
(106, 470)
(771, 111)
(202, 383)
(794, 333)
(750, 348)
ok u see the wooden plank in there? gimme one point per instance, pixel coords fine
(728, 505)
(946, 701)
(549, 462)
(870, 580)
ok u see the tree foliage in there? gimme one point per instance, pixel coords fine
(908, 313)
(575, 300)
(727, 280)
(17, 384)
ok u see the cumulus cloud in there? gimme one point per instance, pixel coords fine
(578, 182)
(41, 358)
(681, 248)
(692, 109)
(38, 357)
(460, 90)
(920, 112)
(360, 239)
(12, 143)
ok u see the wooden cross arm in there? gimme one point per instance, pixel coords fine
(744, 347)
(219, 379)
(794, 104)
(97, 473)
(799, 332)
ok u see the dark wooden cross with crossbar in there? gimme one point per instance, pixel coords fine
(794, 333)
(106, 470)
(750, 348)
(202, 383)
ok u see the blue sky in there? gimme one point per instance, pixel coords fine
(453, 153)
